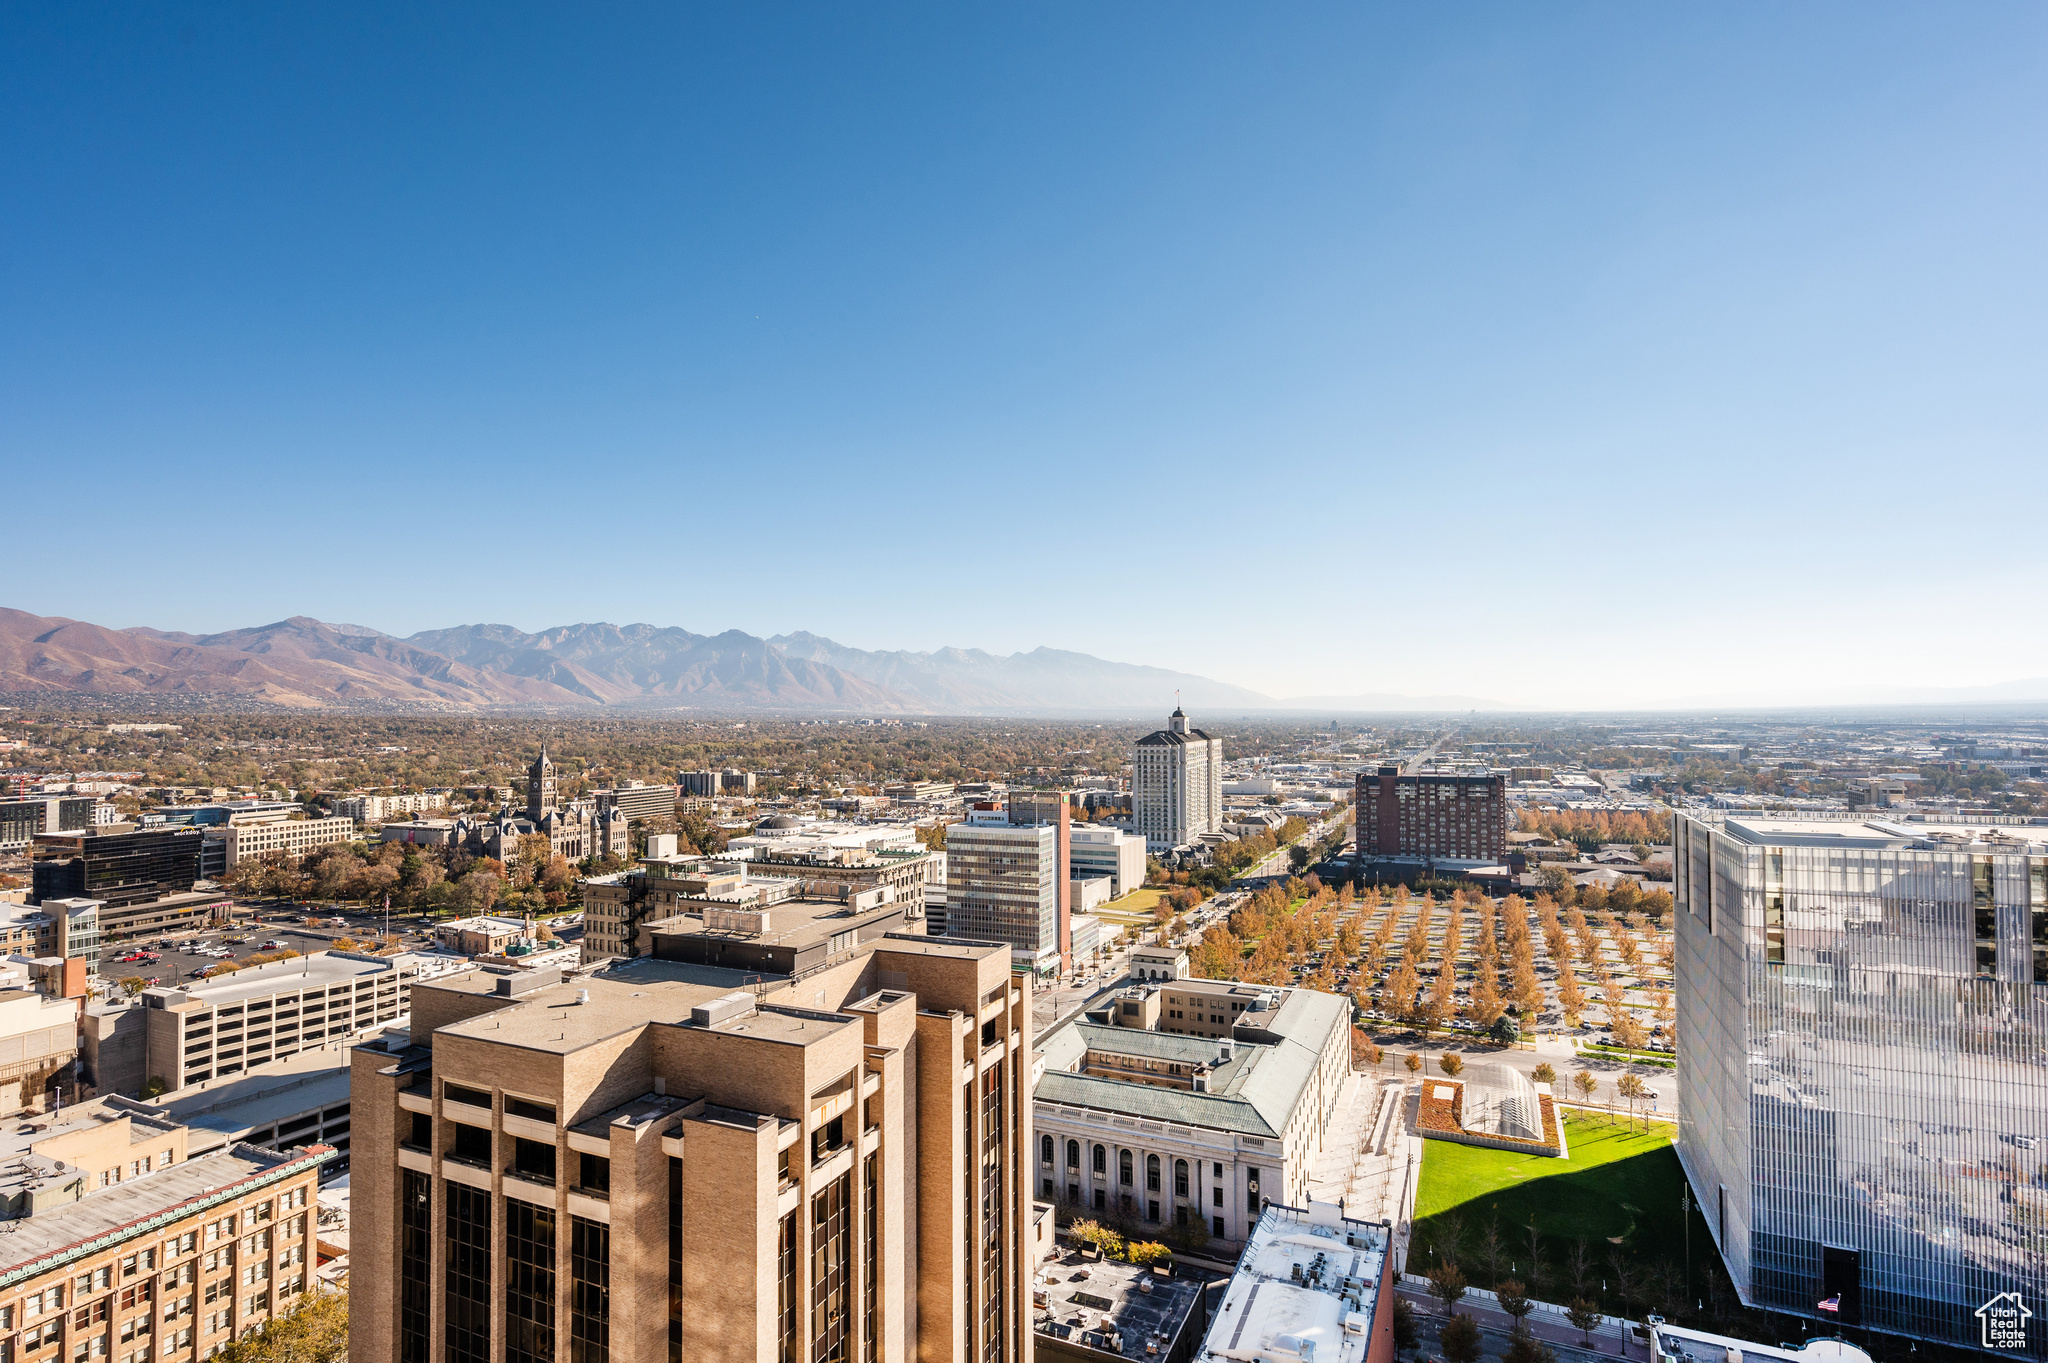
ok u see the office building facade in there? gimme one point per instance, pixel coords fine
(1009, 881)
(1428, 817)
(115, 868)
(1099, 851)
(1863, 1064)
(1176, 785)
(662, 1162)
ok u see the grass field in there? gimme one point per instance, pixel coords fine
(1618, 1192)
(1134, 907)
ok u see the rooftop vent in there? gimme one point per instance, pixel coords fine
(723, 1009)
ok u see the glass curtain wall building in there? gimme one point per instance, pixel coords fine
(1863, 1065)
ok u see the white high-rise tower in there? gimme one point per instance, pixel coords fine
(1176, 785)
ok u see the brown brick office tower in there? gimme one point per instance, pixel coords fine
(672, 1161)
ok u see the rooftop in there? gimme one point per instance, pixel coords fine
(1803, 829)
(1254, 1092)
(1676, 1345)
(37, 1244)
(298, 972)
(222, 1114)
(1306, 1286)
(1074, 1299)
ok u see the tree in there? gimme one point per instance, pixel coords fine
(1629, 1032)
(1514, 1299)
(131, 985)
(314, 1330)
(1504, 1031)
(1583, 1315)
(1412, 1061)
(1585, 1083)
(1544, 1073)
(1526, 1348)
(1557, 882)
(1447, 1283)
(1459, 1340)
(1404, 1325)
(1451, 1063)
(1364, 1051)
(1145, 1253)
(1634, 1090)
(155, 1088)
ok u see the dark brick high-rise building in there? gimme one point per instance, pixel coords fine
(1461, 818)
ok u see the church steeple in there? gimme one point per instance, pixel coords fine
(540, 787)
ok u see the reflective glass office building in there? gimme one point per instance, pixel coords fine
(1863, 1066)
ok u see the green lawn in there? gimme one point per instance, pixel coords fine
(1133, 907)
(1619, 1192)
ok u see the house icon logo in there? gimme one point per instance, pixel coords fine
(2005, 1319)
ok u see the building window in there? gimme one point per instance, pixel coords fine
(1073, 1154)
(830, 1268)
(871, 1230)
(414, 1212)
(675, 1260)
(1152, 1175)
(534, 1160)
(1101, 1160)
(593, 1174)
(529, 1282)
(785, 1291)
(1045, 1149)
(469, 1275)
(1180, 1178)
(1123, 1167)
(590, 1291)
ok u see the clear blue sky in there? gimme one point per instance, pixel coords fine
(1602, 353)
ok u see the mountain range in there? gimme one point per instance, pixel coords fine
(307, 663)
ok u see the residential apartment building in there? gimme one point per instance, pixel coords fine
(1863, 1091)
(379, 808)
(1190, 1103)
(21, 819)
(1010, 881)
(120, 1247)
(668, 1162)
(638, 802)
(1431, 817)
(1100, 851)
(209, 1029)
(293, 837)
(1176, 785)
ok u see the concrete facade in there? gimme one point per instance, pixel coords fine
(700, 1163)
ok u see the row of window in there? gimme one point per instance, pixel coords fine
(1126, 1168)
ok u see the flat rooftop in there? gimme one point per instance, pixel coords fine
(550, 1018)
(1308, 1281)
(222, 1114)
(32, 1239)
(299, 972)
(796, 923)
(1697, 1346)
(1875, 832)
(1080, 1297)
(18, 1166)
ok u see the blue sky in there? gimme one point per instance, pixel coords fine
(1562, 354)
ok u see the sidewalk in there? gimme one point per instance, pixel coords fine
(1609, 1341)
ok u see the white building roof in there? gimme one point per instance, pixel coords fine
(1306, 1287)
